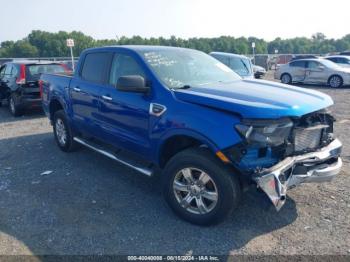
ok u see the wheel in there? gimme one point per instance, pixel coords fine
(286, 79)
(63, 133)
(335, 81)
(199, 188)
(15, 108)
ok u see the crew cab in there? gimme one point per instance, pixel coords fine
(184, 115)
(19, 83)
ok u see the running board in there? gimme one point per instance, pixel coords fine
(142, 170)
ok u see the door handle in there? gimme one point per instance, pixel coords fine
(76, 89)
(107, 98)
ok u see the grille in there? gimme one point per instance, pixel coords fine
(307, 138)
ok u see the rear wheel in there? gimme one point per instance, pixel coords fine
(15, 109)
(62, 131)
(286, 79)
(199, 188)
(335, 81)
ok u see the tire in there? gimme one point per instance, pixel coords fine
(217, 198)
(63, 133)
(335, 81)
(286, 78)
(15, 109)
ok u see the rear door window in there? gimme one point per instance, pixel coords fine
(95, 67)
(298, 64)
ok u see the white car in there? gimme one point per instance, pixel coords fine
(314, 71)
(341, 60)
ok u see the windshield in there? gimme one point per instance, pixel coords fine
(185, 67)
(241, 66)
(329, 64)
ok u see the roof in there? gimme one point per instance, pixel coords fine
(139, 48)
(338, 56)
(228, 54)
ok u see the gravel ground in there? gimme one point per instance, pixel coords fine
(92, 205)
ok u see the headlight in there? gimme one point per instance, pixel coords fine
(265, 132)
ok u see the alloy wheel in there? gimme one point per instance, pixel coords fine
(335, 81)
(61, 132)
(195, 191)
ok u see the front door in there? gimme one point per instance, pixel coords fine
(125, 115)
(315, 73)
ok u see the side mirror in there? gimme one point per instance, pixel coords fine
(321, 67)
(132, 83)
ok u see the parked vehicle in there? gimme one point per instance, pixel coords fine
(314, 71)
(259, 71)
(187, 116)
(343, 61)
(19, 83)
(347, 53)
(238, 63)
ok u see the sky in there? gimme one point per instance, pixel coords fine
(107, 19)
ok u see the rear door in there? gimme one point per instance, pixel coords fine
(125, 115)
(85, 89)
(298, 70)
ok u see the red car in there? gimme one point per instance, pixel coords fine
(19, 83)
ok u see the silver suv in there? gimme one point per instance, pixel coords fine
(313, 71)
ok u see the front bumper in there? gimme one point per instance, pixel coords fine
(319, 166)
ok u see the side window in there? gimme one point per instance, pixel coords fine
(124, 65)
(223, 59)
(8, 70)
(342, 60)
(313, 65)
(14, 71)
(333, 59)
(298, 64)
(95, 67)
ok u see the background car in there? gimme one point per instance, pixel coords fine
(313, 71)
(259, 71)
(238, 63)
(340, 60)
(19, 83)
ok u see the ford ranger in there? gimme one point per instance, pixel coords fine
(184, 115)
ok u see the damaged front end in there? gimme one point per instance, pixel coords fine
(284, 153)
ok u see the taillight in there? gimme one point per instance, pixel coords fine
(41, 83)
(22, 75)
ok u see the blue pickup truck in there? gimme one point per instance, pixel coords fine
(184, 115)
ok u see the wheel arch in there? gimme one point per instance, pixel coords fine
(176, 142)
(54, 106)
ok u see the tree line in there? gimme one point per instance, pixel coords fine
(45, 44)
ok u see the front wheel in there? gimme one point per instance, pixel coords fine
(199, 188)
(335, 81)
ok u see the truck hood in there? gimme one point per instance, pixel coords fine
(256, 98)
